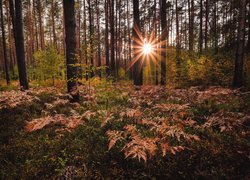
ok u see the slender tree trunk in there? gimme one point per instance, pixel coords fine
(41, 28)
(119, 40)
(215, 28)
(138, 66)
(63, 35)
(78, 27)
(99, 63)
(4, 46)
(177, 34)
(36, 31)
(53, 23)
(238, 72)
(17, 19)
(85, 39)
(206, 24)
(163, 40)
(201, 25)
(116, 39)
(191, 26)
(112, 34)
(91, 37)
(78, 37)
(248, 41)
(31, 33)
(70, 40)
(157, 39)
(10, 41)
(129, 40)
(107, 36)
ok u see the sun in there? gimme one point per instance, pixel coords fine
(147, 48)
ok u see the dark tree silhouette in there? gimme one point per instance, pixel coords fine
(138, 66)
(238, 72)
(201, 26)
(191, 25)
(107, 36)
(163, 39)
(17, 20)
(70, 40)
(112, 36)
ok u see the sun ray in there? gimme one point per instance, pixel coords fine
(147, 49)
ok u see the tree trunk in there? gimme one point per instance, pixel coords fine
(191, 26)
(215, 28)
(107, 36)
(119, 40)
(10, 41)
(157, 40)
(17, 19)
(178, 45)
(138, 66)
(112, 34)
(70, 40)
(36, 31)
(248, 41)
(85, 39)
(201, 25)
(206, 24)
(4, 46)
(99, 63)
(129, 40)
(41, 28)
(238, 72)
(163, 40)
(53, 23)
(91, 37)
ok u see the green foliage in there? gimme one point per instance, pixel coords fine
(207, 69)
(49, 64)
(121, 73)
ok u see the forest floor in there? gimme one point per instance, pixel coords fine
(118, 131)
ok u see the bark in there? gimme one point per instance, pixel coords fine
(238, 71)
(156, 37)
(4, 45)
(178, 45)
(10, 41)
(138, 66)
(206, 24)
(85, 38)
(112, 36)
(201, 25)
(163, 40)
(91, 37)
(248, 42)
(41, 28)
(215, 28)
(107, 36)
(53, 23)
(129, 40)
(70, 40)
(17, 18)
(36, 31)
(99, 63)
(191, 26)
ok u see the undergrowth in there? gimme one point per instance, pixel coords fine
(126, 133)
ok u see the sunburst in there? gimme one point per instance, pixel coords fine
(147, 49)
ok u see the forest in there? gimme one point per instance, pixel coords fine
(125, 89)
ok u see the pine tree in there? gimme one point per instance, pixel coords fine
(70, 40)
